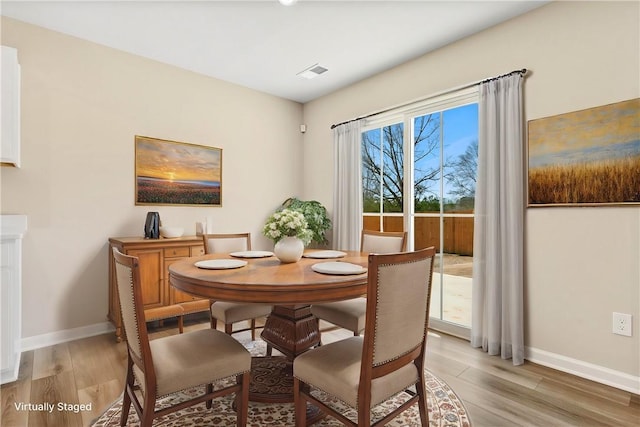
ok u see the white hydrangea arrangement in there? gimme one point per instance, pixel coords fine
(287, 222)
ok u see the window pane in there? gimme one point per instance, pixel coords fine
(456, 286)
(460, 160)
(426, 232)
(426, 165)
(371, 161)
(393, 167)
(460, 130)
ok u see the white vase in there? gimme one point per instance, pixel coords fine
(289, 249)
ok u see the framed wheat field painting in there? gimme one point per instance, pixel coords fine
(586, 158)
(177, 173)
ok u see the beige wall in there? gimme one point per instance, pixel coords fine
(581, 263)
(82, 104)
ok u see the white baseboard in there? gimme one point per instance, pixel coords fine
(583, 369)
(10, 374)
(53, 338)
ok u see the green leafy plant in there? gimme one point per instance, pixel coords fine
(287, 223)
(316, 215)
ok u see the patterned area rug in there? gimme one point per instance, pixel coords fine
(445, 409)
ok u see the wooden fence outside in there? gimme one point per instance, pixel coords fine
(458, 232)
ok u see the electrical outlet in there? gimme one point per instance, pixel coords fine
(622, 324)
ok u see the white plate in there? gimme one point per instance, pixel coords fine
(252, 254)
(220, 264)
(324, 254)
(340, 268)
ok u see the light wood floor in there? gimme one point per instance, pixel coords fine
(495, 392)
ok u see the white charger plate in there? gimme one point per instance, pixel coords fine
(338, 268)
(220, 264)
(325, 254)
(252, 254)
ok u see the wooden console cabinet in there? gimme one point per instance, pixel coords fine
(161, 300)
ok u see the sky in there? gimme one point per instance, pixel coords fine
(177, 161)
(460, 128)
(566, 138)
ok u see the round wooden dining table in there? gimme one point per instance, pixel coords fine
(291, 288)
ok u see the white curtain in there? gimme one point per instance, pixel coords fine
(498, 276)
(347, 186)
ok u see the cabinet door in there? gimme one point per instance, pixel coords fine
(151, 278)
(197, 250)
(175, 296)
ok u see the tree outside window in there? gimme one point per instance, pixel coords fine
(445, 146)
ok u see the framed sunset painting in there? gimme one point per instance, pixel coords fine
(177, 173)
(586, 158)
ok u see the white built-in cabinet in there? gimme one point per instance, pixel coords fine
(12, 228)
(10, 112)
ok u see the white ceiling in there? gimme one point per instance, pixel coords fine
(262, 44)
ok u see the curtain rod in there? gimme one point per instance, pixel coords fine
(522, 71)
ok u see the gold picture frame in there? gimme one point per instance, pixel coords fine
(586, 158)
(177, 173)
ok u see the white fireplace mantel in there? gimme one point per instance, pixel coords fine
(12, 228)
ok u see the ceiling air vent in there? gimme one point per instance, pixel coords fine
(312, 72)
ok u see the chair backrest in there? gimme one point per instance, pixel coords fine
(131, 305)
(222, 243)
(399, 293)
(383, 242)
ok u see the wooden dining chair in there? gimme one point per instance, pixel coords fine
(350, 314)
(366, 371)
(231, 312)
(170, 364)
(380, 242)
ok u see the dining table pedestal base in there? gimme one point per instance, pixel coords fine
(291, 330)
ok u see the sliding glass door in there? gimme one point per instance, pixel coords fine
(419, 173)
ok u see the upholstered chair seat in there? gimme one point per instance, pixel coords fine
(186, 359)
(348, 314)
(343, 360)
(230, 312)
